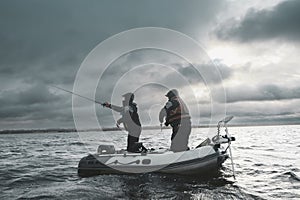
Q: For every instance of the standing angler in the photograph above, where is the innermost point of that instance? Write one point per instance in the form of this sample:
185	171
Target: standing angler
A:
130	120
177	115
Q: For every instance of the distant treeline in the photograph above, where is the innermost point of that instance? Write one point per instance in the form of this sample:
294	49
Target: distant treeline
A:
68	130
19	131
53	130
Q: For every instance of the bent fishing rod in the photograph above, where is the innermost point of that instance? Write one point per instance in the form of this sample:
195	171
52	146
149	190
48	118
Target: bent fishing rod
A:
98	102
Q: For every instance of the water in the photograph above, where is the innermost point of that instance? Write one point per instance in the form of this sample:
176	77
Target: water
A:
44	166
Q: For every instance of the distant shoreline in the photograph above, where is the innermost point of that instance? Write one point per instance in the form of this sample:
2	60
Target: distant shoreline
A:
68	130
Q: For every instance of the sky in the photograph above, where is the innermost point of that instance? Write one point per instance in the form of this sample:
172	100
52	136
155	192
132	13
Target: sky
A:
249	66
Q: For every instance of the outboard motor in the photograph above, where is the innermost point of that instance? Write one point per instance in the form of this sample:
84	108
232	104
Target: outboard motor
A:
218	139
106	149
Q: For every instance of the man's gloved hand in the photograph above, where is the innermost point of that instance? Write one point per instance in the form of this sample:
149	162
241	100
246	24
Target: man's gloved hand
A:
106	104
166	124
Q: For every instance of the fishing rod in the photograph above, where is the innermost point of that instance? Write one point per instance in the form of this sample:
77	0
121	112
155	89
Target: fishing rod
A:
98	102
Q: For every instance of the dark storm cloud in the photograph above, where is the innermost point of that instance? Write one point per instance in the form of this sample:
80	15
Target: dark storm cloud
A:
281	21
44	42
262	112
259	93
35	94
158	67
208	73
197	73
34	106
66	30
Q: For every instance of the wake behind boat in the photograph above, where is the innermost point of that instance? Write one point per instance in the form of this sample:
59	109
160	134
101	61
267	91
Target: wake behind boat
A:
207	157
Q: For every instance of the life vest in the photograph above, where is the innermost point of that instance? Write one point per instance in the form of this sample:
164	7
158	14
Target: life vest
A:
180	112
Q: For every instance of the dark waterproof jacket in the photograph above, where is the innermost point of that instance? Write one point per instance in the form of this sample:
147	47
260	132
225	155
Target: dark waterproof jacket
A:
130	118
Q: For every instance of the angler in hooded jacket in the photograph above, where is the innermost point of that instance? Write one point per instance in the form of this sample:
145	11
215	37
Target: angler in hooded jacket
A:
177	115
130	120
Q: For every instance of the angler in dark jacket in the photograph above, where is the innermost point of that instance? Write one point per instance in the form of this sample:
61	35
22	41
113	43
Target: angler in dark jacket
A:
130	120
177	115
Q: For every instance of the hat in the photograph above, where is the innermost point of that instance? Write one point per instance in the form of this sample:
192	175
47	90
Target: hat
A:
172	93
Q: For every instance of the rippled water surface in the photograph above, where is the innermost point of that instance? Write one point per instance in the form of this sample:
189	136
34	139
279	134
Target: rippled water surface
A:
44	166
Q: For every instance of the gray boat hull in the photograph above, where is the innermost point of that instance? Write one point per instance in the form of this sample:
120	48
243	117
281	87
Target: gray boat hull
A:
193	162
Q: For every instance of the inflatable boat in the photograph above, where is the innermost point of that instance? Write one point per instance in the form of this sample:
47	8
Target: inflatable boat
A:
207	157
